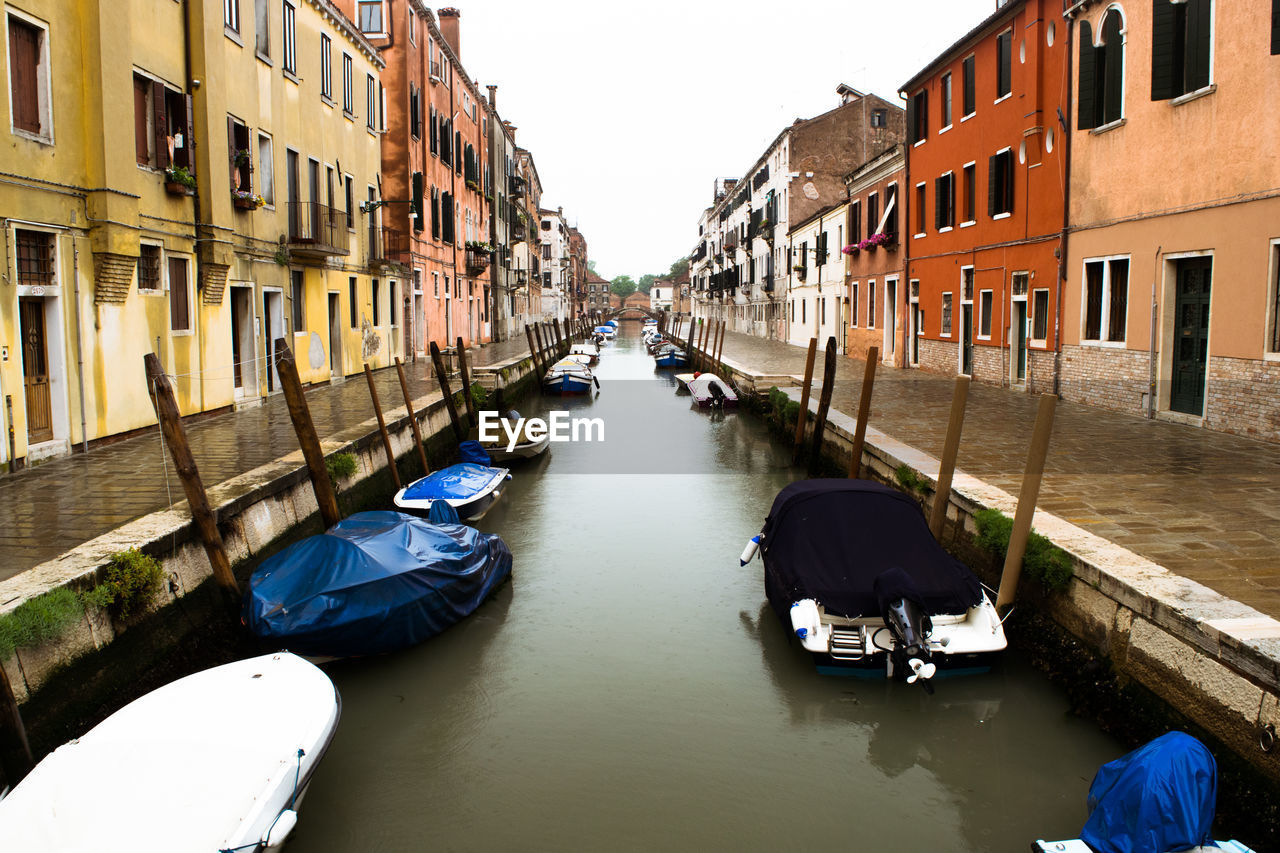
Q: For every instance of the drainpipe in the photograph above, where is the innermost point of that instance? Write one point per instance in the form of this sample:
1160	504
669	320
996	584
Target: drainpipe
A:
1152	353
195	193
1066	210
75	277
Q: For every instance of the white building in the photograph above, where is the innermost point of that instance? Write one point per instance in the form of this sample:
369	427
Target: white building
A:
661	295
553	239
816	293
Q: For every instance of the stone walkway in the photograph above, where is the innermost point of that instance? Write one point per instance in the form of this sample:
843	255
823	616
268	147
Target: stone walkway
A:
1203	504
59	504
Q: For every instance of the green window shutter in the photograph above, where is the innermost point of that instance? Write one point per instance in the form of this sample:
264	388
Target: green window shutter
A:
1085	112
1275	27
417	201
1112	88
911	121
938	192
1163	27
970	98
1199	31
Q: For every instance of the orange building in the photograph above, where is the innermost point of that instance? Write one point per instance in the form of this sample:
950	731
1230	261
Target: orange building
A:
875	266
986	171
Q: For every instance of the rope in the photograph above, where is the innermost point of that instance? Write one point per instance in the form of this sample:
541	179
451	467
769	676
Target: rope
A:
219	369
293	800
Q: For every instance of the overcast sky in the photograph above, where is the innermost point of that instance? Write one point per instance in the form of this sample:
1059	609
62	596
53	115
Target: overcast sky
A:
632	110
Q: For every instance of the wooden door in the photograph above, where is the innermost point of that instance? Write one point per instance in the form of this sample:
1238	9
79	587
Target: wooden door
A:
966	339
1191	335
35	370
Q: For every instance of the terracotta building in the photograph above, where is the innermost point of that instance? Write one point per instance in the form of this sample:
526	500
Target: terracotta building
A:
875	264
1175	214
985	174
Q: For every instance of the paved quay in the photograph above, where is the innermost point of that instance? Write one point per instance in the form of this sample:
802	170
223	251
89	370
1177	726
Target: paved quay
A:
1202	504
59	504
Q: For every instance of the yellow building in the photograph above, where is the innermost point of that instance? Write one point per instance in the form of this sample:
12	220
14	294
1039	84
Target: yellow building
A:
271	113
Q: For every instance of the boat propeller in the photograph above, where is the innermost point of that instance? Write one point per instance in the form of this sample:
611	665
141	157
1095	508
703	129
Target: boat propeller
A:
920	669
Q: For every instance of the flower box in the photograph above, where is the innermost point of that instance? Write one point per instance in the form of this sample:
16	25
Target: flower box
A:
176	188
245	203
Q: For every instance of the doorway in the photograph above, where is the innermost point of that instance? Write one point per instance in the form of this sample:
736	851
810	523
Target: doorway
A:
890	321
1018	342
335	336
273	311
243	342
35	370
419	324
966	338
1191	335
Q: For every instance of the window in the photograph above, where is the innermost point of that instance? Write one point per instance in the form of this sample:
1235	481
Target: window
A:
377	292
920	202
890	225
149	268
1040	315
391	303
546	251
873	213
946	315
369	16
820	250
35	258
351	201
1106	296
370	104
179	296
855	222
1180	47
970	182
290	40
415	112
918	117
970	98
326	67
29	79
231	15
446	217
435	284
946	100
415	201
161	125
879	117
413	28
348	91
1000	183
853	304
1273	312
871	304
262	28
241	156
1101	74
297	301
1275	27
433	131
435	214
353	302
266	170
1004	64
944	201
984	314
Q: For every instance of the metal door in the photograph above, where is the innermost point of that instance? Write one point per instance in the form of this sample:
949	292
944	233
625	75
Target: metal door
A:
1191	335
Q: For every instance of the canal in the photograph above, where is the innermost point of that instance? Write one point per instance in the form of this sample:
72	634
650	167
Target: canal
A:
631	690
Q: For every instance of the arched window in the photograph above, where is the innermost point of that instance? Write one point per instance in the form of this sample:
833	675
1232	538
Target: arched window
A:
1101	72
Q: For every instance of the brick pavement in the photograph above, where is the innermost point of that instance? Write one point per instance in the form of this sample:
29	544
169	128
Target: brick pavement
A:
54	506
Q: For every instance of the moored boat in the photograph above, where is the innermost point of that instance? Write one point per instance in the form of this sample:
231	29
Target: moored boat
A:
590	350
711	392
218	760
373	583
852	570
568	377
470	488
669	356
525	447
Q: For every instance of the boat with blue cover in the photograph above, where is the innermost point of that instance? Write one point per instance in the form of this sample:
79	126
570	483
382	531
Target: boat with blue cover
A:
669	356
373	583
606	331
1157	799
469	487
569	377
853	572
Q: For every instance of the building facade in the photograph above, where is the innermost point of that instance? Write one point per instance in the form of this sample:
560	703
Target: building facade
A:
880	312
816	284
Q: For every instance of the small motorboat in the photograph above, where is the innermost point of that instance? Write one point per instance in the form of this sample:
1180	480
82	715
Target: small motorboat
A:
218	760
526	447
669	356
590	350
470	488
711	392
1159	798
569	377
852	570
373	583
606	332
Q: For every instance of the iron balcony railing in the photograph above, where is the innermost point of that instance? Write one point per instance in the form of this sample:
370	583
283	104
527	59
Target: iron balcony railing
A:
317	229
388	245
477	261
516	186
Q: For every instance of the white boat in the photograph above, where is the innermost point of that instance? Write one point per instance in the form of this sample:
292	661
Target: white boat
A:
469	488
215	761
711	392
589	350
569	376
525	447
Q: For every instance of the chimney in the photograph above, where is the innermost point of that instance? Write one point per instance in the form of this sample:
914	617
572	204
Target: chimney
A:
493	97
449	29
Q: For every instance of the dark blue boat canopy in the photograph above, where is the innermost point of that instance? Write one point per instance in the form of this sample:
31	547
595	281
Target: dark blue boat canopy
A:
830	539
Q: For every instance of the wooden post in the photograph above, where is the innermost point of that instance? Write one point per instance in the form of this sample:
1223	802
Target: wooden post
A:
413	418
287	370
443	379
1027	498
16	759
568	334
555	327
537	334
804	399
950	448
533	350
175	436
719	359
824	403
864	409
467	400
382	428
697	360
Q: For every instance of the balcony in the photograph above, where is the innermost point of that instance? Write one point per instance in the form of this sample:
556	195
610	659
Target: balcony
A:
388	245
516	186
477	261
519	233
317	230
520	277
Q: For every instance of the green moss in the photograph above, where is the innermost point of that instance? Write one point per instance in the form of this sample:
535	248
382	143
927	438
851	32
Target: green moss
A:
909	479
479	396
340	466
1045	562
39	620
133	579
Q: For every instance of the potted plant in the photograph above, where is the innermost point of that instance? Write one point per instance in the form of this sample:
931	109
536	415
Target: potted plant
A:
246	200
479	246
473	185
178	180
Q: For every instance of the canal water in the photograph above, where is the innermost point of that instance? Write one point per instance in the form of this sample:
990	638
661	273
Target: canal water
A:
630	689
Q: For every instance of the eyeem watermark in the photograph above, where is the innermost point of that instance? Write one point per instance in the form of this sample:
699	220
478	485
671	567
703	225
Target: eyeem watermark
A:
561	428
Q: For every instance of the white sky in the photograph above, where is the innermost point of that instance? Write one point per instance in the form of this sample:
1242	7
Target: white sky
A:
632	110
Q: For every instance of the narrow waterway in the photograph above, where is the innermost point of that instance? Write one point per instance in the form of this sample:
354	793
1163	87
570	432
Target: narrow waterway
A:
630	689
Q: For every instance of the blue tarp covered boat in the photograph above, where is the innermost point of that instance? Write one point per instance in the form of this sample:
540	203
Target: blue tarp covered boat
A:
373	583
469	488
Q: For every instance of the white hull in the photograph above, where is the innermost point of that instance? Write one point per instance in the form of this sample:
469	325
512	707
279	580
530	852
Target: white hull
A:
471	508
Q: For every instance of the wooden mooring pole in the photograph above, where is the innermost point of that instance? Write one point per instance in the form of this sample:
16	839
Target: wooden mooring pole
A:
533	350
175	436
824	403
442	377
720	349
804	399
413	418
16	759
947	465
1027	498
287	370
467	400
382	428
864	410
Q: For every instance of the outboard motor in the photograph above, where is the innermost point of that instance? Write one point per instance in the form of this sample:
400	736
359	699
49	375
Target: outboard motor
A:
909	624
717	395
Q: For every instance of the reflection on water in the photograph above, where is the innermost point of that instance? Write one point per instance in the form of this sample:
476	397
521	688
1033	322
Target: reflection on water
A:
630	689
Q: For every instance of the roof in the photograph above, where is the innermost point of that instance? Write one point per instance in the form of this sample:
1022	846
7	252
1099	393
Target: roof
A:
595	278
1008	9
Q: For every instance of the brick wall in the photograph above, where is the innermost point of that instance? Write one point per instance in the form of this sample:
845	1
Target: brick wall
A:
1108	378
1244	397
1040	367
938	356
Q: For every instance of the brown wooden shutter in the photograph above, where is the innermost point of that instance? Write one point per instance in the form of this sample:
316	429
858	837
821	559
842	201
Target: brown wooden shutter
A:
140	135
231	149
159	124
911	121
1085	115
1163	27
24	62
993	167
923	113
970	96
938	192
1199	32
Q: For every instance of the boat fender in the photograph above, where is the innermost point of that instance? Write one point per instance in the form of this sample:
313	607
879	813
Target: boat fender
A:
750	551
284	824
805	620
596	379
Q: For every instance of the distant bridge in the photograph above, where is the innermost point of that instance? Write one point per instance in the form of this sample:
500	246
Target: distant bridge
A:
631	312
